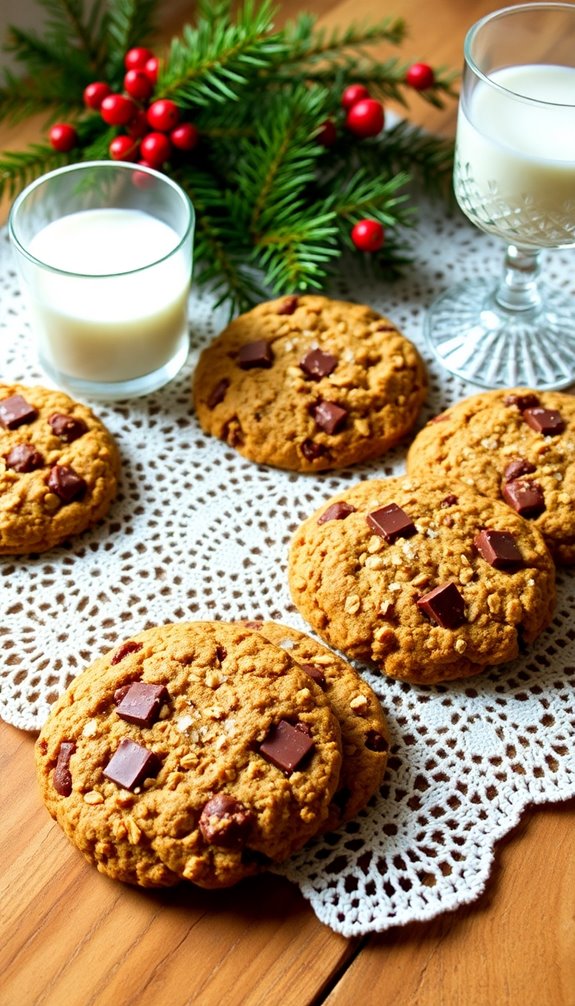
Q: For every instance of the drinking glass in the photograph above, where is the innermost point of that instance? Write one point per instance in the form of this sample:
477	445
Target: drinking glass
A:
105	252
514	177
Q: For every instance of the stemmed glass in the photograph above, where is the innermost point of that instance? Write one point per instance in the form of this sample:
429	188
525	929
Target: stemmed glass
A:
515	177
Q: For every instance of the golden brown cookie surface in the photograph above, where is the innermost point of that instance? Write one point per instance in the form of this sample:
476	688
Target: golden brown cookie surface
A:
515	445
195	751
428	581
364	734
307	383
59	468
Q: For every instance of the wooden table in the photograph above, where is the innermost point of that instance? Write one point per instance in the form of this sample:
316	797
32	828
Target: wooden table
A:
70	937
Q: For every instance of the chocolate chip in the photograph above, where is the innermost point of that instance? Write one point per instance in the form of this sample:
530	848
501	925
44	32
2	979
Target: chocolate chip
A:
337	511
67	428
24	458
444	604
221	653
391	522
120	693
450	500
526	498
549	422
312	451
255	354
317	364
130	764
14	411
329	416
130	646
286	746
315	674
499	549
375	741
516	468
225	821
218	393
62	777
142	703
288	305
527	401
66	483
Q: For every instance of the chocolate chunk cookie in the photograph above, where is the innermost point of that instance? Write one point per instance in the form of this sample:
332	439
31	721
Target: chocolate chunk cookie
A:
307	383
515	445
428	581
195	751
364	736
59	468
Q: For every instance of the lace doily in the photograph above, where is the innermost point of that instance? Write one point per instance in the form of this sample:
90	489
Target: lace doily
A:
199	532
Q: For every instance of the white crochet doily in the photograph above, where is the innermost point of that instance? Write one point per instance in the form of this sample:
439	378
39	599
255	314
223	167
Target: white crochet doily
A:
198	532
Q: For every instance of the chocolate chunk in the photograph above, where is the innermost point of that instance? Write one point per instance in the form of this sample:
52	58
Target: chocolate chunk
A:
120	693
527	401
525	497
255	354
67	428
142	703
450	500
318	364
130	646
499	549
375	741
329	416
516	468
62	778
337	511
444	604
66	483
15	411
312	451
130	764
391	522
288	306
286	746
225	821
549	422
24	458
315	674
218	393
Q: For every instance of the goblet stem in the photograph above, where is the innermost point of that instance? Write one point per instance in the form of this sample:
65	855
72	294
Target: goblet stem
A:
520	290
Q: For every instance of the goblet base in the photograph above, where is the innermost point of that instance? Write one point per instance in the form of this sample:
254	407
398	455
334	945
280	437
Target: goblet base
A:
477	339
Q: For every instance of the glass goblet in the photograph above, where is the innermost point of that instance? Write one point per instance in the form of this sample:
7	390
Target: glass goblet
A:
514	177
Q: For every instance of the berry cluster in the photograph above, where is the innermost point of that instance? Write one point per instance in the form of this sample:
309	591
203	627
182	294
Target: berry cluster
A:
151	131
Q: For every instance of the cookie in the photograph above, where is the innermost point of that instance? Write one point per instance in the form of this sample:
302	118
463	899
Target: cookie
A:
194	751
428	581
307	383
515	445
364	735
59	468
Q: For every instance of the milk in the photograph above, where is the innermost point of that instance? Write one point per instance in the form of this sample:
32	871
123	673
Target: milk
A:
515	159
108	315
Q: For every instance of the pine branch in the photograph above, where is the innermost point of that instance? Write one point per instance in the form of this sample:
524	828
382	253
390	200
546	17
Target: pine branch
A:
19	168
128	23
47	55
20	99
307	44
295	256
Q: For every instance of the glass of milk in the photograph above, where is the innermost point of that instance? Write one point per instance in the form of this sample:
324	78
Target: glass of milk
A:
104	249
515	178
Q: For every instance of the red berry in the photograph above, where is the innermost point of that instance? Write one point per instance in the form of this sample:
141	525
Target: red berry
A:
136	58
151	68
155	148
123	148
366	118
368	235
138	85
95	93
420	76
138	126
352	94
117	110
63	137
327	134
185	136
163	115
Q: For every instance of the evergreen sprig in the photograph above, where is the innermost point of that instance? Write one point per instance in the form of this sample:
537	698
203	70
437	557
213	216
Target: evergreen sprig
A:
274	205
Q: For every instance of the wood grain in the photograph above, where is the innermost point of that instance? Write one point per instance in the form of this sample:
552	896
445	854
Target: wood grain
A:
70	937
